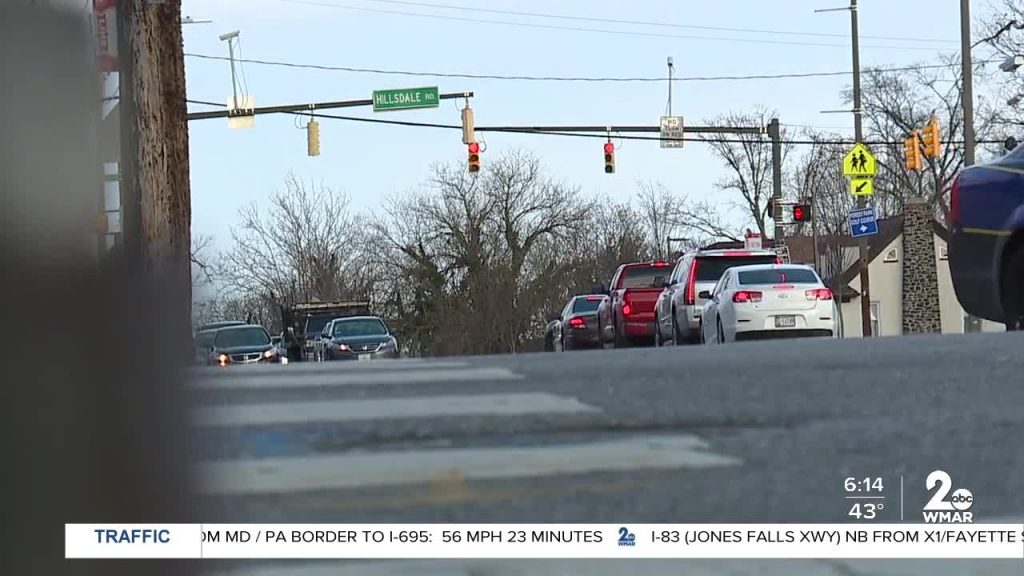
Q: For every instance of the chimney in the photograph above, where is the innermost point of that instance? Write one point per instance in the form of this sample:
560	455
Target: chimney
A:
920	281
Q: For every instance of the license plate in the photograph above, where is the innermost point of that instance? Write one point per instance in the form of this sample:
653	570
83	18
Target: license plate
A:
785	321
364	357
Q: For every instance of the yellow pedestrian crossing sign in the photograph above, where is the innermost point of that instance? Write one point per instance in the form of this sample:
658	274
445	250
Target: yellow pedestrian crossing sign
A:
862	186
859	162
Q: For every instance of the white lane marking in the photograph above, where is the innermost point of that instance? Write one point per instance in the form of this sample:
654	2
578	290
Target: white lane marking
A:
424	375
387	408
395	468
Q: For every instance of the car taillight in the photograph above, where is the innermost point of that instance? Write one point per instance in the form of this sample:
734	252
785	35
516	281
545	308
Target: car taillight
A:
746	296
691	286
627	309
661	264
954	202
577	322
595	298
819	294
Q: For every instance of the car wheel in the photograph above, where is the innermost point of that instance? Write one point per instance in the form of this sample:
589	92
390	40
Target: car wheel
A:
677	335
658	341
700	332
721	333
564	347
619	339
1012	291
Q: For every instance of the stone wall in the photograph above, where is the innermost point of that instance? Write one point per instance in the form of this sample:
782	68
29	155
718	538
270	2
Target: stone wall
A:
920	281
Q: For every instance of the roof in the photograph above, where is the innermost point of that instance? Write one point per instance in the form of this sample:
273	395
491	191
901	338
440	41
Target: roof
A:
347	318
747	267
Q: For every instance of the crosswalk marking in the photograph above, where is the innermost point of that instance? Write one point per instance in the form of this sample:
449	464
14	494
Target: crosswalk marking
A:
524	403
309	379
395	468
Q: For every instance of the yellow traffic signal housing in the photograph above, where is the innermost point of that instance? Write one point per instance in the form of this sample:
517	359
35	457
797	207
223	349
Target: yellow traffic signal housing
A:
313	138
932	139
474	157
609	158
912	152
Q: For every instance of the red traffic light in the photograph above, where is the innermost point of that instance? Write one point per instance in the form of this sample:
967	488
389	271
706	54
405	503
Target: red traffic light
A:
474	148
609	148
801	213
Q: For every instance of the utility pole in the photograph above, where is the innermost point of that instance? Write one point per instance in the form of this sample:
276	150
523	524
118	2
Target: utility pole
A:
775	133
155	195
968	81
858	130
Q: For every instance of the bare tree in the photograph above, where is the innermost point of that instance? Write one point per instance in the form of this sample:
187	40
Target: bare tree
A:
306	246
472	246
749	160
897	103
666	214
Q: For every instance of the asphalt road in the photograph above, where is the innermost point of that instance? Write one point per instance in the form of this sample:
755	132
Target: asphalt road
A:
750	432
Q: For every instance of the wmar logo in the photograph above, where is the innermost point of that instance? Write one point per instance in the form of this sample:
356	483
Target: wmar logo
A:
953	510
626	538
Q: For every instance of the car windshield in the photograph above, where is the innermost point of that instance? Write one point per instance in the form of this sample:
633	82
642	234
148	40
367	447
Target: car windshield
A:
711	268
643	276
360	327
778	276
586	304
247	336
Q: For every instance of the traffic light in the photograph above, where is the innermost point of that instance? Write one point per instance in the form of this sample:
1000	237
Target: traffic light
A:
313	138
609	158
912	152
801	212
932	139
474	157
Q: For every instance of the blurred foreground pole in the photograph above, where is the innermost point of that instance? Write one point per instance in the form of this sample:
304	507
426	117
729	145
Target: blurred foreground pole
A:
154	153
93	429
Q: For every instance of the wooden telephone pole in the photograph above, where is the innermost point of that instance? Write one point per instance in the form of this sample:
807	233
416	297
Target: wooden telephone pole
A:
155	195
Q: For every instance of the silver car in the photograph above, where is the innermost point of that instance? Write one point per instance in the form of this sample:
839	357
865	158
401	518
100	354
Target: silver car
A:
678	309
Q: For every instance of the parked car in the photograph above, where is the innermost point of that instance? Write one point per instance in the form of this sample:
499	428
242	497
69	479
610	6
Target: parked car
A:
986	243
576	325
679	304
242	344
358	338
627	315
768	301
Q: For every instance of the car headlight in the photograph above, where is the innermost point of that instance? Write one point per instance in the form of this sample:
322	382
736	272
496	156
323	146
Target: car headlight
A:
270	353
387	344
343	347
223	359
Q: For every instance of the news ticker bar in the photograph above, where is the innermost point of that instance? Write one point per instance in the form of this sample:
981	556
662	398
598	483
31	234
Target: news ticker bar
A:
542	541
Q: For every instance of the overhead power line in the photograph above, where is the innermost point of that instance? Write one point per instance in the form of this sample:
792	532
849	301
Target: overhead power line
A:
542	131
633	22
526	78
597	30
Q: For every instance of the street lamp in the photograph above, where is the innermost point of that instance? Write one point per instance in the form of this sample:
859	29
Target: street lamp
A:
1012	63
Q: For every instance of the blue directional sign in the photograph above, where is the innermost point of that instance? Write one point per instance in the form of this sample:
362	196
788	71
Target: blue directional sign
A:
863	222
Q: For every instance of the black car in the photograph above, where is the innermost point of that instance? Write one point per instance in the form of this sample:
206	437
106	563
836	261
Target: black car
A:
242	344
358	338
576	325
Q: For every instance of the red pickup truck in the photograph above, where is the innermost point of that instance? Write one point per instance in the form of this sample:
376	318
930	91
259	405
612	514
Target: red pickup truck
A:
628	314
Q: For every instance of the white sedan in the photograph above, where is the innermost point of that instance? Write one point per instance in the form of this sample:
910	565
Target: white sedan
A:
768	301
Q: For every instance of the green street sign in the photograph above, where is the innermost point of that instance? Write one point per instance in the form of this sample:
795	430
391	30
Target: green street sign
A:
405	98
